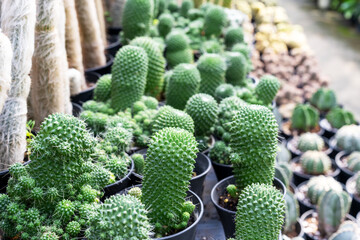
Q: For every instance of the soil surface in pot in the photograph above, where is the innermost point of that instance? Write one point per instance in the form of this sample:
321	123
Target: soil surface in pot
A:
296	167
293	233
311	228
286	128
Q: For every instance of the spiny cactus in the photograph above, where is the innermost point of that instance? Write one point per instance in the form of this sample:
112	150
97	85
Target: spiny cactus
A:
254	133
260	213
118	137
185	7
203	109
236	69
5	78
183	83
137	18
233	36
170	117
283	173
166	23
170	147
96	121
139	162
315	162
324	99
333	207
224	91
291	211
304	117
348	138
339	117
212	68
120	217
100	107
347	230
128	76
220	153
102	91
178	49
215	21
319	185
353	162
267	89
310	141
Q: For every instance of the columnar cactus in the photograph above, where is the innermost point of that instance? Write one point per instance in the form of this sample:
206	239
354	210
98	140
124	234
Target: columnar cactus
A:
170	117
236	69
102	91
291	211
260	213
212	68
171	156
185	7
310	141
315	162
353	162
233	36
319	185
324	99
267	89
304	117
156	65
136	19
215	21
224	91
5	64
178	49
183	83
128	77
254	133
18	24
339	117
166	23
348	138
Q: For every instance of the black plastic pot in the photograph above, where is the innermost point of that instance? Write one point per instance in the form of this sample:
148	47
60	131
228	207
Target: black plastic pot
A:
222	170
345	173
114	31
287	135
114	45
329	131
299	178
76	109
227	217
355	204
4	179
202	168
291	145
92	77
83	96
102	70
211	145
299	229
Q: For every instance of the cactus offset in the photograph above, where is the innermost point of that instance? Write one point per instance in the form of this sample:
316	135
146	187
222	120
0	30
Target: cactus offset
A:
170	117
310	141
166	23
319	185
324	99
178	49
224	91
339	117
102	91
304	117
348	138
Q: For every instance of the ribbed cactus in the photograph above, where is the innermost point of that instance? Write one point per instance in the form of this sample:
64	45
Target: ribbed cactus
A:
315	162
291	211
178	49
186	5
348	138
102	91
212	68
310	141
183	83
136	19
267	89
339	117
283	173
348	230
5	72
324	99
236	69
170	156
260	213
353	162
120	217
215	21
224	91
156	65
166	23
171	117
304	117
128	77
319	185
254	133
333	207
233	36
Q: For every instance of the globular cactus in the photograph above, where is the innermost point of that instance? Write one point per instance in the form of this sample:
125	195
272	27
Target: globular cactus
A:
332	208
203	109
291	211
212	68
128	77
243	49
220	153
139	162
315	162
224	91
120	217
348	138
178	49
260	213
236	69
310	141
101	107
254	133
211	46
118	137
5	77
170	117
156	65
304	117
267	89
183	83
324	99
233	36
96	121
136	19
319	185
102	91
186	5
166	23
215	21
353	162
348	230
170	147
283	173
339	117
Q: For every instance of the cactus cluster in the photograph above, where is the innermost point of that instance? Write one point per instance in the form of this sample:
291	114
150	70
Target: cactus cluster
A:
348	138
324	99
304	117
170	117
315	162
310	141
319	185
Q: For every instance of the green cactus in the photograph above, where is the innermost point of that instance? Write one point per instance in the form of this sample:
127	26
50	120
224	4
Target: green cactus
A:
120	217
95	121
49	236
254	133
304	117
291	211
353	162
137	18
171	117
260	213
195	14
166	23
315	162
236	69
172	6
348	138
211	46
233	36
220	153
185	7
283	173
224	91
135	192
267	89
310	141
102	91
118	137
156	65
339	117
319	185
139	162
212	68
215	21
324	99
170	147
348	230
178	49
184	82
333	207
100	107
243	49
128	77
203	109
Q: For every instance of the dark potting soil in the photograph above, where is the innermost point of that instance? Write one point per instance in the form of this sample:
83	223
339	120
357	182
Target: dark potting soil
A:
227	202
293	233
296	167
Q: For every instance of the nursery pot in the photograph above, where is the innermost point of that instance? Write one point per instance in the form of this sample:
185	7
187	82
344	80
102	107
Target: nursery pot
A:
87	94
286	132
295	152
202	168
102	70
114	45
227	217
4	178
345	173
329	131
355	204
114	31
211	145
222	170
92	77
76	109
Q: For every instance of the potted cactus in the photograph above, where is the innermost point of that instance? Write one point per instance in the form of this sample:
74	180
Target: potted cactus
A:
324	99
349	164
335	119
292	227
219	155
353	187
347	139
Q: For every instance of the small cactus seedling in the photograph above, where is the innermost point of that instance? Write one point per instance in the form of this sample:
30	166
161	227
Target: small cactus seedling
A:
353	162
319	185
315	162
224	91
220	153
310	141
348	138
339	117
304	117
324	99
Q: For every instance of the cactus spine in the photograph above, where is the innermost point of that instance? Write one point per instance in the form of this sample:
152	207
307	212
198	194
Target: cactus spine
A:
5	64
